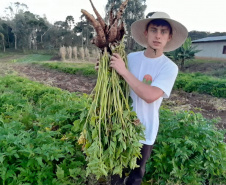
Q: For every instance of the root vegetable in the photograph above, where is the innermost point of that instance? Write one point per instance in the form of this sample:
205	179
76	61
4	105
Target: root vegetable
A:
111	130
107	34
99	18
100	39
121	9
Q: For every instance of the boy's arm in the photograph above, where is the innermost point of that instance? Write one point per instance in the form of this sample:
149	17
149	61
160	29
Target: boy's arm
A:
146	92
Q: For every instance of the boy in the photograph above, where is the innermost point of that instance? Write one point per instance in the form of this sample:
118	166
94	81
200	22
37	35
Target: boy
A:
157	34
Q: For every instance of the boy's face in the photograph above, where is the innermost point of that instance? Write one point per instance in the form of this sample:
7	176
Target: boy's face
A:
157	36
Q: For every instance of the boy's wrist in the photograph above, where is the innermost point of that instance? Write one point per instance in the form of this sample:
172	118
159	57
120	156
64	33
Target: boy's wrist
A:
125	73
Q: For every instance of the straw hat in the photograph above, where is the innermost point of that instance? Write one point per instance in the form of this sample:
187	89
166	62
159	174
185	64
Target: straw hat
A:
179	31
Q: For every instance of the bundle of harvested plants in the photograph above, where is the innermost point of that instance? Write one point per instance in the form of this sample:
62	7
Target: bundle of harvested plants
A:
111	130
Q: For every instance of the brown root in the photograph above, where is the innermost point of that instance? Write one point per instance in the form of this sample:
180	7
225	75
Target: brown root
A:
121	9
112	34
100	39
120	31
99	18
111	15
107	34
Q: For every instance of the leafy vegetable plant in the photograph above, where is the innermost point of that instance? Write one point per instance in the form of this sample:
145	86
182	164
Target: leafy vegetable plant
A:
189	150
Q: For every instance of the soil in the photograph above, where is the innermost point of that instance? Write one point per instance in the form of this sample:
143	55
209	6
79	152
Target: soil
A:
69	82
208	106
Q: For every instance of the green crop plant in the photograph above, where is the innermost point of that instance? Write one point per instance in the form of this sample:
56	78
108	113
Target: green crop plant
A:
197	82
111	130
37	145
189	150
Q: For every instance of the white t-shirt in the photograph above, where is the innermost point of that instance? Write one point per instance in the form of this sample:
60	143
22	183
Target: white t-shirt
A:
164	73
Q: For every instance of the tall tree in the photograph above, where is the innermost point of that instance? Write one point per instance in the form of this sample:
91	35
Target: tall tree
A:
85	31
3	41
11	11
194	35
44	27
6	30
69	22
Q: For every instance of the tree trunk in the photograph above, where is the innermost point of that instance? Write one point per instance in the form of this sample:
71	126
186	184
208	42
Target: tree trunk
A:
82	38
3	42
15	37
29	41
8	36
87	38
182	65
34	40
42	37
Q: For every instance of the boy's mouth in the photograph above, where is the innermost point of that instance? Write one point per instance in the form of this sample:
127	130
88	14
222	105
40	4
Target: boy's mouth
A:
156	43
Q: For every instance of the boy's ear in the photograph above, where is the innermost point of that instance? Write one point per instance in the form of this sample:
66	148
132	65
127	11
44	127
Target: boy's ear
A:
170	37
145	33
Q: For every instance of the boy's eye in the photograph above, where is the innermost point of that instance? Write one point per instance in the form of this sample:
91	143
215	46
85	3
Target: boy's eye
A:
164	31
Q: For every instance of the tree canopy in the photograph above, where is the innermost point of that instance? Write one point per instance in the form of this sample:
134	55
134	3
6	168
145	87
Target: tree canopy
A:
22	29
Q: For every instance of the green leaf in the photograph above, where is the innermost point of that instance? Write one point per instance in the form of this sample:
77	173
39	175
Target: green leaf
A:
123	145
117	170
60	173
125	114
94	133
1	157
75	172
39	159
76	126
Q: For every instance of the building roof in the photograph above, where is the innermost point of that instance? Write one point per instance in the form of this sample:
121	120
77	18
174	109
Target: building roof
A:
210	39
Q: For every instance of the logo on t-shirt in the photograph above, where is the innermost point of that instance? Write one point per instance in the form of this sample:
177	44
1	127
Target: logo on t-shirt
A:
147	79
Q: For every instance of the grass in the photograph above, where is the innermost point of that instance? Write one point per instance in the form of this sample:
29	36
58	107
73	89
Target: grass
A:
215	68
9	54
34	58
86	69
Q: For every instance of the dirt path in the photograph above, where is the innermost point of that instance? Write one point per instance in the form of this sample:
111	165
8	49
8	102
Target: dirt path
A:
208	106
72	83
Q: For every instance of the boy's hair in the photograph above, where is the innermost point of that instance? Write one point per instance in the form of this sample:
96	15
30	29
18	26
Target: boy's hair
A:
160	22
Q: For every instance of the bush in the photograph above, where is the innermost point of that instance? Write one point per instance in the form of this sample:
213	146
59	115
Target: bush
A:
37	145
34	58
196	82
188	150
78	68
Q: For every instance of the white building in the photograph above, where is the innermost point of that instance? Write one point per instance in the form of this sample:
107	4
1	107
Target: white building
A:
211	47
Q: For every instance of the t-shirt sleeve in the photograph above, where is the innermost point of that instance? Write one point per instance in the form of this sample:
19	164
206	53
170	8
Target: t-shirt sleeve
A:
165	79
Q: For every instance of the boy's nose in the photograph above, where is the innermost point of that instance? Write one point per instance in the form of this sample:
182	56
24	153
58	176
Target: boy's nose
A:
158	34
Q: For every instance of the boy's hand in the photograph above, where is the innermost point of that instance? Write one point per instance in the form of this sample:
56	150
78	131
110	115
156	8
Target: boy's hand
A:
118	64
97	65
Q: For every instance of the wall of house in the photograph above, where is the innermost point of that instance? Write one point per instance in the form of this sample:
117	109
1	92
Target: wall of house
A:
211	50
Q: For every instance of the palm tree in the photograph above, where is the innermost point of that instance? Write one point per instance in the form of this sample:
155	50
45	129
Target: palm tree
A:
183	53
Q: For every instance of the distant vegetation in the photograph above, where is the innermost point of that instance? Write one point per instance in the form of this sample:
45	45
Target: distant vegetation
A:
23	30
202	34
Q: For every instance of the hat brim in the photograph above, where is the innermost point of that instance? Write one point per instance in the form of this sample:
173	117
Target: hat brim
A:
179	33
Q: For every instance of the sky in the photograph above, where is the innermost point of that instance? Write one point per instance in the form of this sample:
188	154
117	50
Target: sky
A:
199	15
